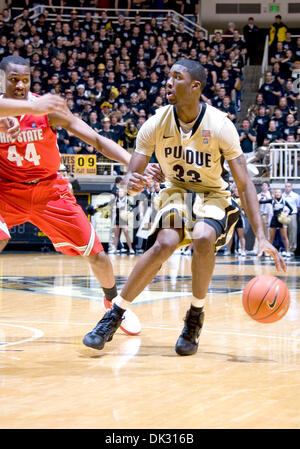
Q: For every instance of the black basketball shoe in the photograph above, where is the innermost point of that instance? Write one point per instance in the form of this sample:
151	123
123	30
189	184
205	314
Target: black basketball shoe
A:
105	329
187	343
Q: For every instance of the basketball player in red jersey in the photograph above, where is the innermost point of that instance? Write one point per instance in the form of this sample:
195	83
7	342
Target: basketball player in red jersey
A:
31	189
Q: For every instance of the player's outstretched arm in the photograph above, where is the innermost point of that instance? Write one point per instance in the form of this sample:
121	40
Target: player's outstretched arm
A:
42	105
250	204
83	131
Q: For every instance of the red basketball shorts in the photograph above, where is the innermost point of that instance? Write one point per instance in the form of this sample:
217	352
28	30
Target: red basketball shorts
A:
51	207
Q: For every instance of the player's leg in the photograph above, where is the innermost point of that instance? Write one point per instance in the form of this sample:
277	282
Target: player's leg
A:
229	246
102	268
13	209
143	273
128	240
241	236
116	237
203	263
209	235
292	232
3	244
284	235
71	233
272	232
4	234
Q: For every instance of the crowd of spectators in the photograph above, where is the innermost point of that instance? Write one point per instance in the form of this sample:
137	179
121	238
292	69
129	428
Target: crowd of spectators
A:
273	116
113	72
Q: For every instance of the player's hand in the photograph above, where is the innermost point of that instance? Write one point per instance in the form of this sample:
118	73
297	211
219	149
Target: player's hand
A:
155	172
264	246
49	103
134	183
11	126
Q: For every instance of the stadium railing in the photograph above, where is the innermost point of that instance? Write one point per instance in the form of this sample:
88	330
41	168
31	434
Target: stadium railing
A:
285	161
146	15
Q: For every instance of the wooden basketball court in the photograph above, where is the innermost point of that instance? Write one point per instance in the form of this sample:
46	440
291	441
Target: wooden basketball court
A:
245	374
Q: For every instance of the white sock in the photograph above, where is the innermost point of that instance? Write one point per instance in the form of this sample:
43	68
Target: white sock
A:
199	303
121	302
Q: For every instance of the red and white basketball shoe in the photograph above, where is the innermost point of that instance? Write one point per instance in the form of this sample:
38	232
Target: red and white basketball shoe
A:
131	324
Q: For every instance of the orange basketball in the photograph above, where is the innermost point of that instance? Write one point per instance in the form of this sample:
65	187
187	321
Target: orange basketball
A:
266	299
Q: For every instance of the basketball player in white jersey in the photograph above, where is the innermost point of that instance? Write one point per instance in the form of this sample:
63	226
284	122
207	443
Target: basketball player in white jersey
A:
191	141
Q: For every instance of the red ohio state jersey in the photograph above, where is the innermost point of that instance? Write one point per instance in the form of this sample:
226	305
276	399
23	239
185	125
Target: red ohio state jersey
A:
34	154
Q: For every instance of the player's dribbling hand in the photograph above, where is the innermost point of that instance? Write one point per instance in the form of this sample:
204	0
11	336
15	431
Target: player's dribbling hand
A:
49	103
11	126
155	172
264	246
134	183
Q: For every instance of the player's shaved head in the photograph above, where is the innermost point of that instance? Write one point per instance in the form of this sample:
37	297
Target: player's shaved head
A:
17	60
195	69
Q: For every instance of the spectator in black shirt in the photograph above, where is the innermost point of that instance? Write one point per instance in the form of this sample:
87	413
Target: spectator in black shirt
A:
93	121
247	138
228	84
25	23
229	108
87	22
63	141
222	56
290	94
271	90
106	130
154	86
79	96
288	63
288	43
166	31
251	36
3	46
131	81
123	97
35	61
291	127
126	32
4	27
217	100
272	134
109	83
279	54
135	38
199	36
279	119
260	124
41	25
277	74
57	69
296	49
144	103
216	41
115	126
284	107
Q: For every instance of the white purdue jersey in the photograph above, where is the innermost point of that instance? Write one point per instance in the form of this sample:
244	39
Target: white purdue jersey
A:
193	161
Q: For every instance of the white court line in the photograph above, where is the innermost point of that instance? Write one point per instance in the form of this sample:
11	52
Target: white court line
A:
211	330
37	333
